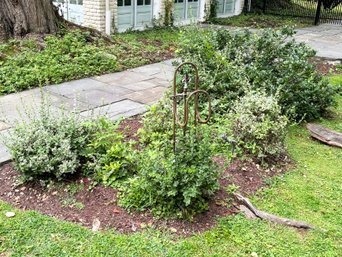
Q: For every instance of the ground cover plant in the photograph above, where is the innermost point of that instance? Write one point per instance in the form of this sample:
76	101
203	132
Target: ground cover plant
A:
76	54
262	21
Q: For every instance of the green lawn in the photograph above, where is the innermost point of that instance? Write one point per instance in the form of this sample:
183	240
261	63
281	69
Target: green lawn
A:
263	21
310	192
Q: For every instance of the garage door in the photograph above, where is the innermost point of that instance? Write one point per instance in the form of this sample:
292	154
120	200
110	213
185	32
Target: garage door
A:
186	10
225	7
134	14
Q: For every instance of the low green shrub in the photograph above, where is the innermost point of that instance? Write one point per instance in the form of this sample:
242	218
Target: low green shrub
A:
233	62
258	126
49	145
174	185
108	155
157	122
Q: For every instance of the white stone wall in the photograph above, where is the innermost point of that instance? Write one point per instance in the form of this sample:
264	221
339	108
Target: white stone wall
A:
94	15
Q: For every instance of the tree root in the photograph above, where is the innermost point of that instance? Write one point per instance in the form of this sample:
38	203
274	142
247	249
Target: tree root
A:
93	32
252	212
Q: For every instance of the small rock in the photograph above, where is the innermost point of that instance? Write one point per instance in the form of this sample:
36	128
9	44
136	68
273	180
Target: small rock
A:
10	214
23	189
134	228
17	190
54	193
116	210
173	230
96	225
254	254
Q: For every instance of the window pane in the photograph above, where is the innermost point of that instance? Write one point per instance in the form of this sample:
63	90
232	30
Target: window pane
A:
140	2
147	2
72	1
120	2
127	2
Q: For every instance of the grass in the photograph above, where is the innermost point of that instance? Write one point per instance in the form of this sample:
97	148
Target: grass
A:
311	192
73	55
263	21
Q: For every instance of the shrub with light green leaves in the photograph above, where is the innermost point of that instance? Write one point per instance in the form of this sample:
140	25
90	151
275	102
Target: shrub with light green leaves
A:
50	145
258	126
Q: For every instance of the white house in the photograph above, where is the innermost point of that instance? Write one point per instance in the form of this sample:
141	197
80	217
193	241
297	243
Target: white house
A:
120	15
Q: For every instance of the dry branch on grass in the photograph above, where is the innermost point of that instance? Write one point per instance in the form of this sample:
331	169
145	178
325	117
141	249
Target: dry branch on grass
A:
252	212
325	135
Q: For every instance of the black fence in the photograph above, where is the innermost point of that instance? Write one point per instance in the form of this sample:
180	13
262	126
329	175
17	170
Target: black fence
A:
320	11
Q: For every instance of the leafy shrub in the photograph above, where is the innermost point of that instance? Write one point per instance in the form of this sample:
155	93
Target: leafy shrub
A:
233	62
63	58
107	154
50	145
258	125
157	122
174	185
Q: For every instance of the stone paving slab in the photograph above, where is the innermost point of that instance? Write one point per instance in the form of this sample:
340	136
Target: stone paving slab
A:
138	86
121	78
115	110
148	96
75	86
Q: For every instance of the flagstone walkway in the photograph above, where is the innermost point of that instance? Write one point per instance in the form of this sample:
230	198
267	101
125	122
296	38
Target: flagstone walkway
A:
121	94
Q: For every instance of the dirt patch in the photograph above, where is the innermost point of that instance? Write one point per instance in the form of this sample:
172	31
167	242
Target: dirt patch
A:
80	202
326	67
129	127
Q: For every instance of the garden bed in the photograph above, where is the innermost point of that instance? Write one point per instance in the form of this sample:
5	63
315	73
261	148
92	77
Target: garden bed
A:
81	201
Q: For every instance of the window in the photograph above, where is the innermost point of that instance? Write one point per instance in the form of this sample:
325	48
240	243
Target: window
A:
140	2
147	2
127	2
120	2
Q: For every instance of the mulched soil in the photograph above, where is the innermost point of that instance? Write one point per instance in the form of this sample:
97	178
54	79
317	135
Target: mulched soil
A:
326	67
88	203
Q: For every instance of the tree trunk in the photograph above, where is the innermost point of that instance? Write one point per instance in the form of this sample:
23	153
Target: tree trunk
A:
21	17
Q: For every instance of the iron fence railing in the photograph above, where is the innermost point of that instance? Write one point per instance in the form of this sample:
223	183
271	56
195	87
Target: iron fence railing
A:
324	11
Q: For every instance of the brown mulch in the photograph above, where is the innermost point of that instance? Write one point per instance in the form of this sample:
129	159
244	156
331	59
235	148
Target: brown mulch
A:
326	67
99	202
89	202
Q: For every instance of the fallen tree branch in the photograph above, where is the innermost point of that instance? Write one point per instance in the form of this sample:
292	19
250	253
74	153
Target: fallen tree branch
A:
270	217
325	135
